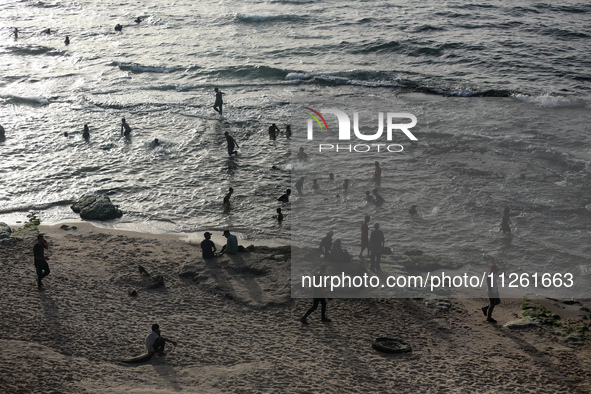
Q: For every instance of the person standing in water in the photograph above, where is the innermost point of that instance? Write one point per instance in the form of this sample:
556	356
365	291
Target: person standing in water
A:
377	175
231	143
506	221
288	131
365	236
86	133
376	245
67	40
273	132
125	129
227	197
219	102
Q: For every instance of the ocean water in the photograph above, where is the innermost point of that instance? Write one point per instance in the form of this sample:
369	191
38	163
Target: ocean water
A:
501	93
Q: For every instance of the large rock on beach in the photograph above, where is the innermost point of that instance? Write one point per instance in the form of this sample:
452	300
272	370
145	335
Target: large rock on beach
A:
5	237
96	207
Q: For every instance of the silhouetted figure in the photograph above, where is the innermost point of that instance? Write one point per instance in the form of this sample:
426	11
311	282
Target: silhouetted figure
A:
156	142
207	247
125	129
288	131
376	245
66	134
365	236
227	196
231	143
302	156
46	31
338	254
368	197
155	342
118	27
326	244
273	132
86	133
138	20
67	40
493	293
331	178
299	186
219	102
2	133
279	215
15	33
506	221
315	185
319	298
285	197
378	199
377	175
346	184
41	266
413	210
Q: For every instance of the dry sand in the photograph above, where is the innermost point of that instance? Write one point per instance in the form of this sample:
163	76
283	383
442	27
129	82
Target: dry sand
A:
70	338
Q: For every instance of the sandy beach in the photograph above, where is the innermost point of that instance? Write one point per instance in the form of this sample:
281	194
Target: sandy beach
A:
238	330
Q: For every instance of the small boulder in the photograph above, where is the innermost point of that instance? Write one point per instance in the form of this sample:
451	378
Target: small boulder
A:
157	281
96	207
5	237
131	291
189	270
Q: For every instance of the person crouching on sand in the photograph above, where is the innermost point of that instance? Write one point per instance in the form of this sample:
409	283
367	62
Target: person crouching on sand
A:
155	343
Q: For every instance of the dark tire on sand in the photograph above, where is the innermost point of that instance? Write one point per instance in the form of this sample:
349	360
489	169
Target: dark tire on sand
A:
390	345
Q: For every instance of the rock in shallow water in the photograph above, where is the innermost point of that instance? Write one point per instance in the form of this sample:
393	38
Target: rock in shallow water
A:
96	207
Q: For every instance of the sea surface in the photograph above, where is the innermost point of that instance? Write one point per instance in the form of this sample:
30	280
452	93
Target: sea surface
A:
501	92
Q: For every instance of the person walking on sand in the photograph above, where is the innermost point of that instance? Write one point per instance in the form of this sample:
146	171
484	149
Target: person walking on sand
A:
492	281
231	143
376	245
208	247
506	221
41	265
365	236
377	175
155	342
219	102
125	129
319	298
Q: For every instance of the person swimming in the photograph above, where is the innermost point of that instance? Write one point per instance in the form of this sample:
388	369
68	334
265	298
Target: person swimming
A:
118	27
67	40
378	199
138	20
302	156
156	142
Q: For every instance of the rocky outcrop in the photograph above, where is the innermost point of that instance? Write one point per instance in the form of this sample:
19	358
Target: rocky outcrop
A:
5	237
96	207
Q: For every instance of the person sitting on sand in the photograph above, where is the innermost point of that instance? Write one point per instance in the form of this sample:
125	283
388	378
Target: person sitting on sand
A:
326	244
231	247
125	129
505	227
208	247
227	197
319	298
492	292
155	342
285	197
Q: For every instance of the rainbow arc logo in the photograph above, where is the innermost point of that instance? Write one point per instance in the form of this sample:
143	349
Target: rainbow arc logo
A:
317	115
